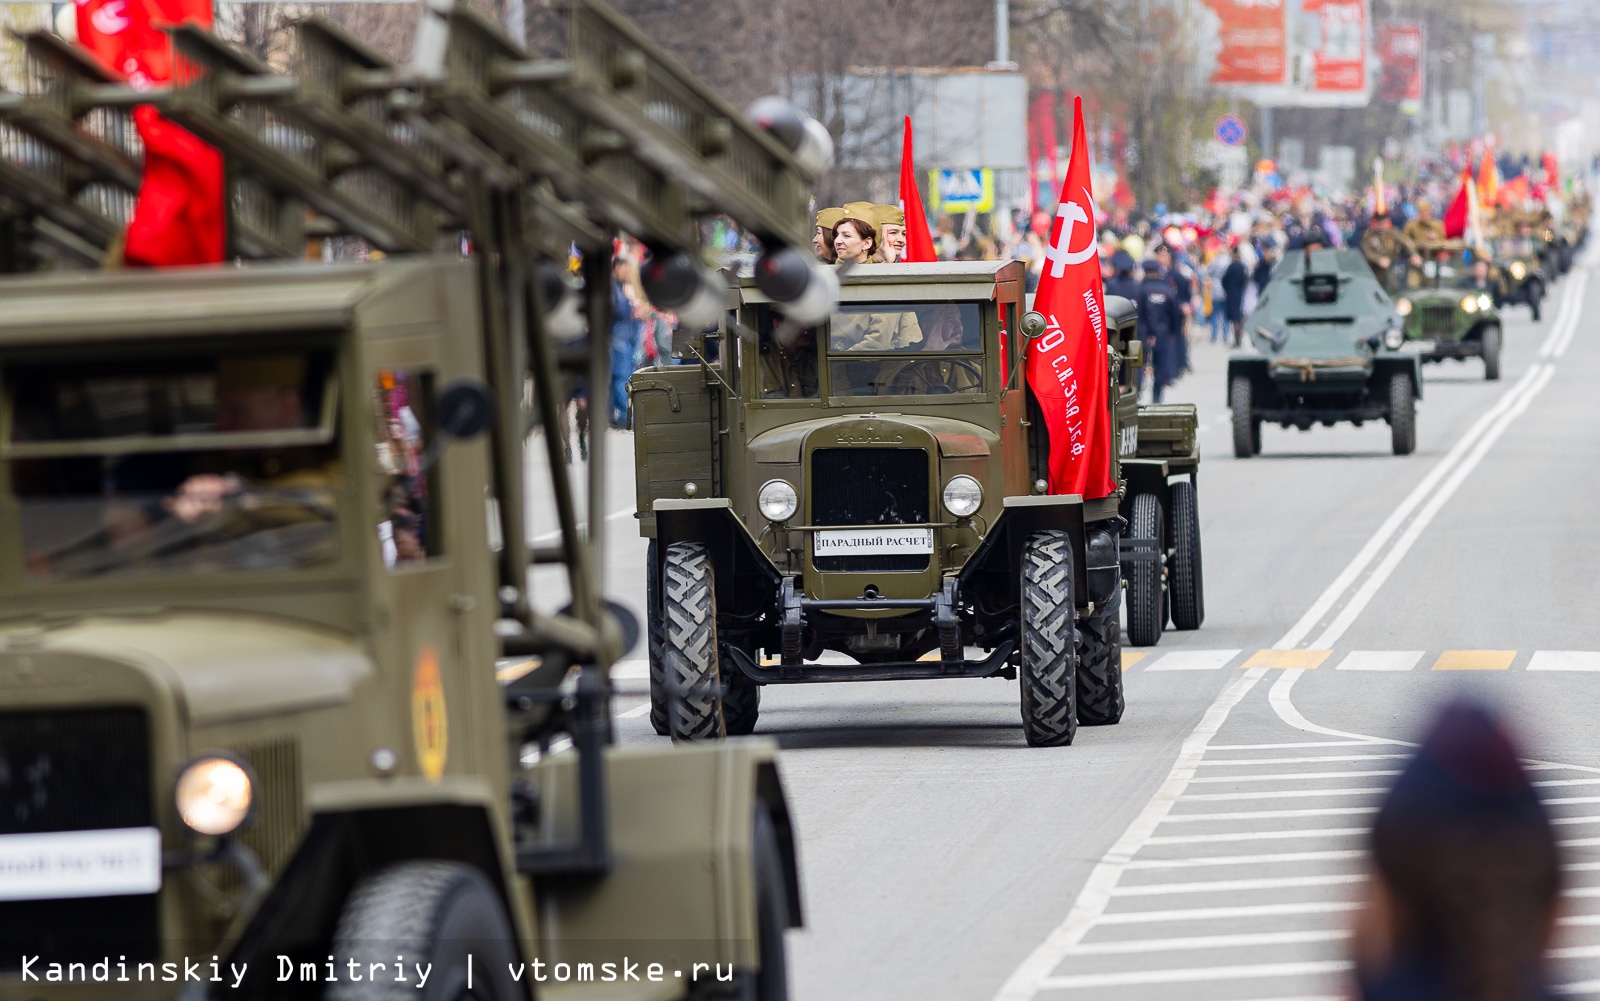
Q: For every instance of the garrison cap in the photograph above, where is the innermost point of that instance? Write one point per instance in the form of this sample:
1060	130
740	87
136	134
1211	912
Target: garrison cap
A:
827	218
889	215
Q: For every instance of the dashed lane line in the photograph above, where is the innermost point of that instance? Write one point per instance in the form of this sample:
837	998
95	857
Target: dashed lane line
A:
1196	975
1238	836
1296	776
1328	811
1308	759
1217	797
1231	885
1236	911
1212	861
1240	941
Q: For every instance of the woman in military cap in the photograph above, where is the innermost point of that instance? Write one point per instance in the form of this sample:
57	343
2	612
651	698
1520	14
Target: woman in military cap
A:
892	226
822	236
855	240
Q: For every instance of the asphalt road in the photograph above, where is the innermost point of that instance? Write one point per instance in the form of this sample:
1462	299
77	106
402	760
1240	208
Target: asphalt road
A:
1208	847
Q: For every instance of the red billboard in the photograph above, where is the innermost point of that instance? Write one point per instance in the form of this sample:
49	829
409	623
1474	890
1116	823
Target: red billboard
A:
1400	52
1340	56
1254	37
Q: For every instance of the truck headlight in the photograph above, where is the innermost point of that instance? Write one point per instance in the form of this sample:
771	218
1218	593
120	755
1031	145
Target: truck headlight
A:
963	495
1470	304
1403	307
1519	270
1393	338
1484	302
777	500
214	794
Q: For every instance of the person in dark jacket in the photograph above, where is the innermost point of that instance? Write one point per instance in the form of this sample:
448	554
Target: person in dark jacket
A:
1124	284
1160	325
1263	272
1234	280
1466	873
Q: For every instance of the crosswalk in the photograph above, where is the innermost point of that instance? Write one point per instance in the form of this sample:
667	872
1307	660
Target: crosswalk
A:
1245	887
1363	660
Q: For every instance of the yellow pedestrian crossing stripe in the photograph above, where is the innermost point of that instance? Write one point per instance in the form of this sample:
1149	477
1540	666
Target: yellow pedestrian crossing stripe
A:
1187	659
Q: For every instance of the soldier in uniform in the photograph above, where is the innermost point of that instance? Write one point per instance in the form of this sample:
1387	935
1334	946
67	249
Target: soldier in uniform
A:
872	215
822	236
789	364
1425	230
1383	248
855	239
942	330
1160	324
892	227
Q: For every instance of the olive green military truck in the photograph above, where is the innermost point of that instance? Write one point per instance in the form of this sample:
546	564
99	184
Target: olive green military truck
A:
873	486
263	539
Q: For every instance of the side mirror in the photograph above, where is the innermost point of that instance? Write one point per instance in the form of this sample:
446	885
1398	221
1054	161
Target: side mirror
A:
1033	324
465	409
1134	353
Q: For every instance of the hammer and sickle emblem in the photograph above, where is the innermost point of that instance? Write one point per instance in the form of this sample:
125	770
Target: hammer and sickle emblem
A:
1060	254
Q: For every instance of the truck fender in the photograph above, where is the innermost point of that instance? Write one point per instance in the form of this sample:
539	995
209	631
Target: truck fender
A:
677	815
997	563
1384	367
746	580
1252	366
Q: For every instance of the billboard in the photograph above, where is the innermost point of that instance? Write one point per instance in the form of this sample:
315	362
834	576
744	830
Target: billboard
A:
1293	53
1400	53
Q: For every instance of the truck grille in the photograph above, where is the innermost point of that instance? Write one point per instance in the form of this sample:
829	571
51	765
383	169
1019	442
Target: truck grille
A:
76	770
1439	322
869	486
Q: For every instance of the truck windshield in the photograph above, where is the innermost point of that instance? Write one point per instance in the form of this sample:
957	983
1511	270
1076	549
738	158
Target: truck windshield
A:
191	464
906	349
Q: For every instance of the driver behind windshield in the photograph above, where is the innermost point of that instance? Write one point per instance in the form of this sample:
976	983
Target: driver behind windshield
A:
942	331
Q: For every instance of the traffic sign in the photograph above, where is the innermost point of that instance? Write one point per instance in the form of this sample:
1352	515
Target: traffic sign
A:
962	190
1231	130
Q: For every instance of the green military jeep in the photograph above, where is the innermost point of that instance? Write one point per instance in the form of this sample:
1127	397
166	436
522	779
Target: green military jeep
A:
1520	273
1450	311
874	487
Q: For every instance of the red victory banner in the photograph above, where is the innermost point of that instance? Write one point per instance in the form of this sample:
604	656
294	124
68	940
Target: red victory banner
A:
919	242
1066	364
178	217
1459	214
1255	39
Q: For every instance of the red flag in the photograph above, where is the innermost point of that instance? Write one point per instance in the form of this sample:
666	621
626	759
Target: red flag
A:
1067	363
1488	179
1552	170
919	242
1514	192
178	217
1459	213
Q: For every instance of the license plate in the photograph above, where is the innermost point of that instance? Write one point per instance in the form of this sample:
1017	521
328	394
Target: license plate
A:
873	541
1417	347
64	864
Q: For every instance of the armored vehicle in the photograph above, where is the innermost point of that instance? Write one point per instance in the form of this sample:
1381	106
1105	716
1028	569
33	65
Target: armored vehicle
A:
1450	310
274	692
1326	347
873	486
1519	273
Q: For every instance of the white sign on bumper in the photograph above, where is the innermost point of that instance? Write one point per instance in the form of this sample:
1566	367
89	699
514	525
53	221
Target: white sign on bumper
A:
874	542
62	864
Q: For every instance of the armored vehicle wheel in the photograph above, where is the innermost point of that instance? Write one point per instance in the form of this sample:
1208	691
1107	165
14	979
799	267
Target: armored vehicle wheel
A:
1188	589
656	637
690	650
429	911
1491	350
741	705
1402	414
1147	611
1246	426
1100	700
1049	653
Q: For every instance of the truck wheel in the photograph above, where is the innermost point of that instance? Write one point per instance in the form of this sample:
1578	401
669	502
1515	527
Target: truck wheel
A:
690	649
1147	612
1049	652
1402	414
656	638
1188	587
1491	350
1246	426
429	911
1100	700
741	705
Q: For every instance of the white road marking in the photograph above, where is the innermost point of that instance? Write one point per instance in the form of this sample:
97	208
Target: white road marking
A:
1209	942
1380	660
1215	797
1210	861
1305	760
1193	660
1289	745
1552	783
1332	811
1292	777
1218	913
1218	839
1196	975
1220	885
1564	660
1576	820
1572	800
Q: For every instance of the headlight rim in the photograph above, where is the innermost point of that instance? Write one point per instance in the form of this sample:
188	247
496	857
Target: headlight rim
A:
1394	338
251	785
793	499
977	504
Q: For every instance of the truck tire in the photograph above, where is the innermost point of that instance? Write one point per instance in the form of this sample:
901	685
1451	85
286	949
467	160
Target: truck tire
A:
690	649
1100	698
429	911
741	705
1246	426
656	638
1147	612
1402	414
1491	350
1048	662
1188	585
